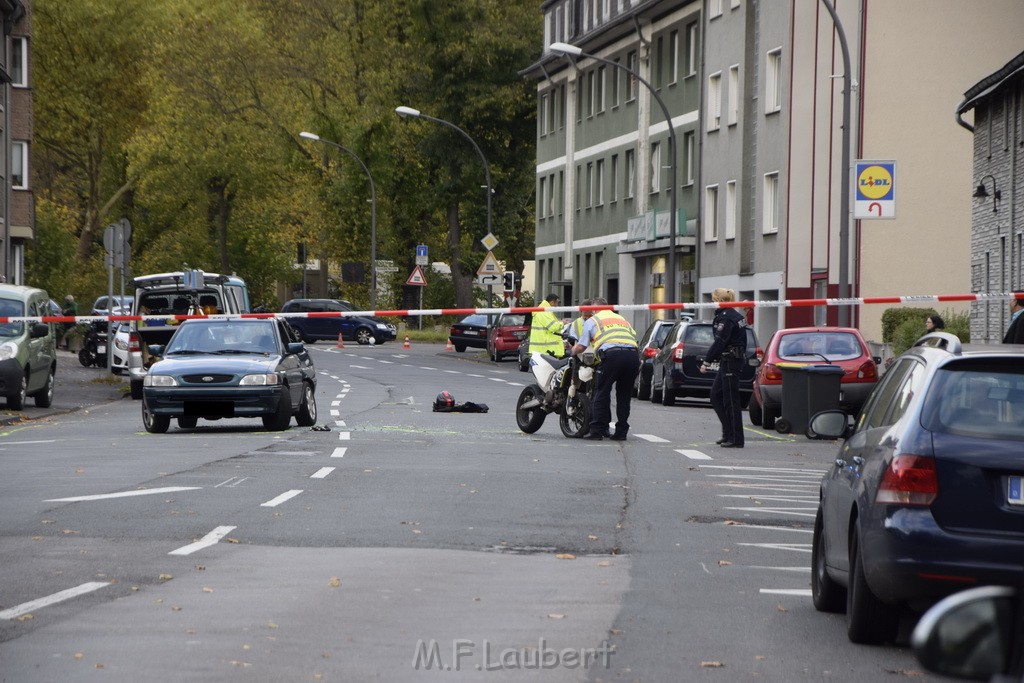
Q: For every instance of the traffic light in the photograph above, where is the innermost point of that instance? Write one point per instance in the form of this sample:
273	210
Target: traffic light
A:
509	281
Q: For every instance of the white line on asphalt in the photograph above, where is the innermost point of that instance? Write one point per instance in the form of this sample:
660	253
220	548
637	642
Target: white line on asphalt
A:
498	379
788	488
26	607
339	452
205	542
361	367
795	547
293	452
287	495
469	374
424	367
231	483
801	570
321	473
515	384
772	528
335	377
775	499
339	423
760	477
389	362
344	390
26	443
767	469
123	494
693	455
344	436
335	403
780	511
335	413
454	372
652	438
803	592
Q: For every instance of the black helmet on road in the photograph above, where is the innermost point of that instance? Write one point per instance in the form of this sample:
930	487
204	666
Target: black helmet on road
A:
444	400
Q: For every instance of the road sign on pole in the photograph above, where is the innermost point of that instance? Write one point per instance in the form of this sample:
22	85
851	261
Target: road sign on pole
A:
875	190
489	266
417	278
421	255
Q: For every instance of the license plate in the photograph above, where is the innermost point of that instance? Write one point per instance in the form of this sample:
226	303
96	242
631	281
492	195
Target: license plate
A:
471	333
1014	495
101	348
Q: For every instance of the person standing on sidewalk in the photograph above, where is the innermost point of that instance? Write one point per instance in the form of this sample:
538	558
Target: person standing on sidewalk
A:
1015	332
70	308
615	341
546	330
730	350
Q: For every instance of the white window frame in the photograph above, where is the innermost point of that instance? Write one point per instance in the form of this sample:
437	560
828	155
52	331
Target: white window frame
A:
590	184
542	197
19	155
601	80
733	113
613	188
542	117
655	187
599	182
551	195
689	156
735	4
19	74
773	82
630	173
633	84
714	8
691	49
714	113
673	55
730	210
591	78
770	208
711	213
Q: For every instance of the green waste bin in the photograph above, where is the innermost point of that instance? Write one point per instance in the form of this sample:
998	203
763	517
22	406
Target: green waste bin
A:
806	391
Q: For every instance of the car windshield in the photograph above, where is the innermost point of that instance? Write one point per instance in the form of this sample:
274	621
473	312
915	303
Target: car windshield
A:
831	346
476	319
983	399
11	308
222	337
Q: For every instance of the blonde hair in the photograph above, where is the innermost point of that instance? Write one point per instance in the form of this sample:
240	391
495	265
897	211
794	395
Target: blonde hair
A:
723	294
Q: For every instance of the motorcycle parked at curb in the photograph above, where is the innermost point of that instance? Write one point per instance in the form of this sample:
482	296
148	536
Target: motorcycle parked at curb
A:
564	386
94	345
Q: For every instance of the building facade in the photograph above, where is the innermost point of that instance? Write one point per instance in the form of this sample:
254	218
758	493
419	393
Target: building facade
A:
18	212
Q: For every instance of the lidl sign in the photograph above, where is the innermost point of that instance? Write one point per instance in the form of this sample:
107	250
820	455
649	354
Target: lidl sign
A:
874	194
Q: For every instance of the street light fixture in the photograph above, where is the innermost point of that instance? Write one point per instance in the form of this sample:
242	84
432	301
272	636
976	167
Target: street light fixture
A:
407	112
981	192
373	214
572	50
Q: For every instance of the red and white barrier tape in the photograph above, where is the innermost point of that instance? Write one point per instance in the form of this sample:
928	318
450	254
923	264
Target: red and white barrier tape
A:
685	306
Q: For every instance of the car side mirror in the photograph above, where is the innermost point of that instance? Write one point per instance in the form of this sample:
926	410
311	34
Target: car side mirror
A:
38	330
968	634
156	349
877	359
295	347
829	424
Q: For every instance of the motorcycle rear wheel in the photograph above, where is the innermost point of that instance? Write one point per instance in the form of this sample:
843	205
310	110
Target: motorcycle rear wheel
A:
86	357
530	419
574	418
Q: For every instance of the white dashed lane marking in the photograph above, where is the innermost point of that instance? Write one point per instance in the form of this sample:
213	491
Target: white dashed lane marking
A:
206	541
287	495
652	438
322	473
26	607
339	452
693	455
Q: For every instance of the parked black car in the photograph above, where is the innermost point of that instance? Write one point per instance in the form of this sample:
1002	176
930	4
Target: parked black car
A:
351	328
470	331
925	495
675	369
649	345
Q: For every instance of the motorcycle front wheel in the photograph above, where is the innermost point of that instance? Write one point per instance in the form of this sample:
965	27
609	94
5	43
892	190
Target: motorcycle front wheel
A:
530	419
86	357
575	416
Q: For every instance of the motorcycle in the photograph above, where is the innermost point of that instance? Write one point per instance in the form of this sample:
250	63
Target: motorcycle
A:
94	345
563	386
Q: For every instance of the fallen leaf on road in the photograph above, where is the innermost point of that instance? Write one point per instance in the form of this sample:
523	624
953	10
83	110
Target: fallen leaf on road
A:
565	556
712	665
780	608
207	589
231	540
98	665
615	631
271	624
37	538
604	563
200	567
335	582
730	522
556	616
166	577
79	655
71	531
591	537
79	470
724	563
25	617
175	608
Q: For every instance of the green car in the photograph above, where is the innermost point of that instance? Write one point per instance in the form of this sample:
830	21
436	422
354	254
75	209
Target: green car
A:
28	358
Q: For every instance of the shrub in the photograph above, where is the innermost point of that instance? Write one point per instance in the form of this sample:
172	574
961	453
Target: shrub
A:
894	318
911	329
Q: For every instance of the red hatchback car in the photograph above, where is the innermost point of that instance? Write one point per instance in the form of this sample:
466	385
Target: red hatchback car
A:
840	346
505	336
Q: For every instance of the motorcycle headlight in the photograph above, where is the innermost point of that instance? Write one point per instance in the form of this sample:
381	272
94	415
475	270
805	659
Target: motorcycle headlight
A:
260	380
151	380
8	350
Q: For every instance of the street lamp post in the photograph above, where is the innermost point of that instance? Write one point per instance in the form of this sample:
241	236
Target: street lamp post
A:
373	214
416	114
567	49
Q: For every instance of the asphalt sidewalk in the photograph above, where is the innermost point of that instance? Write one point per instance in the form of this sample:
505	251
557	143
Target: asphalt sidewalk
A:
76	387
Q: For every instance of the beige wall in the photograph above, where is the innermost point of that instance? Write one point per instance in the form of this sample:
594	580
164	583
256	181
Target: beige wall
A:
920	57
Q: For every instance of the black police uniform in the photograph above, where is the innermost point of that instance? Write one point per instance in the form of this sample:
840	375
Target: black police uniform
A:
730	350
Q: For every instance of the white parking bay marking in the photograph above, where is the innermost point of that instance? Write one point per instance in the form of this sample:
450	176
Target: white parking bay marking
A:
798	512
123	494
206	541
795	547
321	473
424	367
361	367
344	436
473	375
231	483
389	362
26	607
339	452
693	455
498	379
454	372
287	495
802	592
335	413
652	438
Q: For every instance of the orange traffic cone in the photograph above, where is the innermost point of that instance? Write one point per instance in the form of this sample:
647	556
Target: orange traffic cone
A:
341	342
449	346
406	345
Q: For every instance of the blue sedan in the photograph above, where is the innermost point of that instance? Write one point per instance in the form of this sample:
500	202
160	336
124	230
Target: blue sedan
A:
215	369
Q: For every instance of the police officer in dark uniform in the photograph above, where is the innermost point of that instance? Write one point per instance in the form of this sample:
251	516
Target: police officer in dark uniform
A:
730	350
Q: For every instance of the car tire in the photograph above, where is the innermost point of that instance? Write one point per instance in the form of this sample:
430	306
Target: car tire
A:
768	418
188	422
279	421
530	420
44	398
668	395
155	424
828	596
363	335
754	412
869	621
16	401
136	390
574	418
643	388
306	417
655	392
460	347
495	356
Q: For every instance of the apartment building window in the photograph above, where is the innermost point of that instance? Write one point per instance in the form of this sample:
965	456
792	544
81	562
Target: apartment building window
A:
590	184
615	84
613	189
599	91
773	82
542	198
734	95
560	201
691	49
658	74
689	156
655	167
630	173
579	100
599	183
770	218
19	165
730	210
542	118
673	57
551	195
19	62
711	213
631	64
591	78
579	187
561	107
734	4
714	101
714	8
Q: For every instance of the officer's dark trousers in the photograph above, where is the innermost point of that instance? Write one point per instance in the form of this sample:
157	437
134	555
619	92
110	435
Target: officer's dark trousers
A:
618	367
725	399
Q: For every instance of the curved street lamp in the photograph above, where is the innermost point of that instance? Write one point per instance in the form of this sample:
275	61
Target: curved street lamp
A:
572	50
405	112
373	214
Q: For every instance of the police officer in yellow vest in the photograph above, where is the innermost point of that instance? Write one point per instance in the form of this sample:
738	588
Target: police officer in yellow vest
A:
546	330
615	341
576	327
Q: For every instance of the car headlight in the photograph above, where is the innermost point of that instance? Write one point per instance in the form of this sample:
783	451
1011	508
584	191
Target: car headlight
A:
8	350
260	380
151	380
382	326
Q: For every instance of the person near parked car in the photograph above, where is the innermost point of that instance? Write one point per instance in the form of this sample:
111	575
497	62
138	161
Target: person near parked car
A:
70	308
546	330
934	323
576	327
614	339
729	350
1015	332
